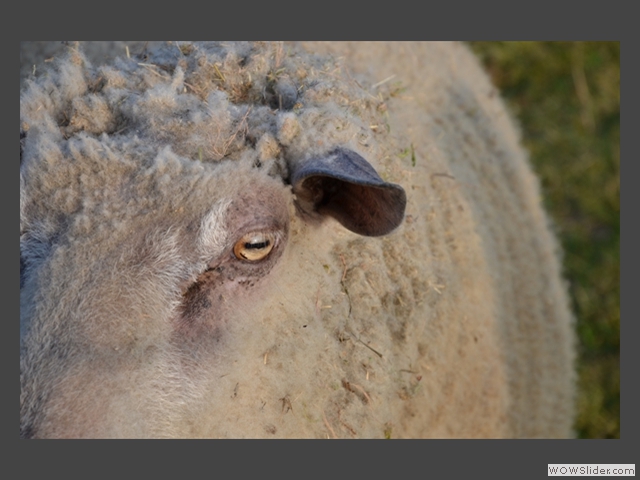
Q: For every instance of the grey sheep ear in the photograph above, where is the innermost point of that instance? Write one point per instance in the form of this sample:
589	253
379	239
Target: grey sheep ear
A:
345	186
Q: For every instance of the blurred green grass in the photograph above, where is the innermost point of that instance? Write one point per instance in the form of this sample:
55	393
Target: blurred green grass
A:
566	97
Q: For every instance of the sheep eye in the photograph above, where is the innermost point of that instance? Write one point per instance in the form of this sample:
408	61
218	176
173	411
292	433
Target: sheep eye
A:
254	246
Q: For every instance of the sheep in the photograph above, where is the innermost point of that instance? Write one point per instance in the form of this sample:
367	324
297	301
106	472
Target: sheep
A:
279	240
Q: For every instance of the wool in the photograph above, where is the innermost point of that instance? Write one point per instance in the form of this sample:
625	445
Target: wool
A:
424	302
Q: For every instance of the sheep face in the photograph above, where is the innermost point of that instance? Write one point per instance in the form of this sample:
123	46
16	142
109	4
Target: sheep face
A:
148	310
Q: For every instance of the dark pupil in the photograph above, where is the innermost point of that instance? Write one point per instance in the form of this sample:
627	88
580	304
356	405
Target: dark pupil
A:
257	246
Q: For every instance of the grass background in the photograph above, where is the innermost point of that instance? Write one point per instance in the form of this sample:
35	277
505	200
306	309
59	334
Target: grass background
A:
566	96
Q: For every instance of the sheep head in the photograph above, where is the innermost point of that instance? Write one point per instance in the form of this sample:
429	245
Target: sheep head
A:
155	212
